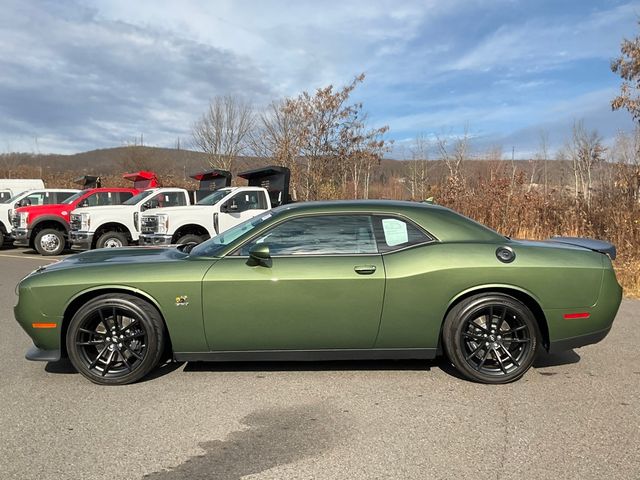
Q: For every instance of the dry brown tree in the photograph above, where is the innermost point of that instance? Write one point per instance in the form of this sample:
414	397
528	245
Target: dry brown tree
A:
627	65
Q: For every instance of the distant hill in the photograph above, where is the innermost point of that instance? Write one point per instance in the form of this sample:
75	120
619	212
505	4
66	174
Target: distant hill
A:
182	163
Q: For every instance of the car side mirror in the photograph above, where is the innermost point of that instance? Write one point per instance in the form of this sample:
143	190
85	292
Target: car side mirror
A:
83	203
259	255
25	202
145	206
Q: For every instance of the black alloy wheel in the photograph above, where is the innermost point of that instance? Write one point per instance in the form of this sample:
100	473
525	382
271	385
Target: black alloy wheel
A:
115	339
491	338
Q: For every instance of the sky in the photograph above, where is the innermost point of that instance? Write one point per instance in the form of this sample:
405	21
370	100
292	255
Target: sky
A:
80	75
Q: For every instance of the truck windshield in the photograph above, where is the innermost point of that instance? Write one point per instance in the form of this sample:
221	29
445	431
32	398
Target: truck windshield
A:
215	245
73	198
214	197
136	198
13	199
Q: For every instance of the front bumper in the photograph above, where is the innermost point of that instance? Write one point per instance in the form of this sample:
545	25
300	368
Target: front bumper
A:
155	239
80	240
36	354
21	237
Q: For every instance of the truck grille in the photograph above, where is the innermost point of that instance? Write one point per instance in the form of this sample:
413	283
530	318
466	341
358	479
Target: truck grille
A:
148	224
15	220
75	223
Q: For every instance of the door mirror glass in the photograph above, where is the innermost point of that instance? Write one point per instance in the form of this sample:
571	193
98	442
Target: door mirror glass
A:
259	255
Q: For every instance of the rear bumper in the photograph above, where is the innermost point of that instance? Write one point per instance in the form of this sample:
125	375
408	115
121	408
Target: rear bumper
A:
155	239
80	240
579	341
21	237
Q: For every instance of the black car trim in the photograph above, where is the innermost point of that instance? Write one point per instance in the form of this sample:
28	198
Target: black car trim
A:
307	355
579	341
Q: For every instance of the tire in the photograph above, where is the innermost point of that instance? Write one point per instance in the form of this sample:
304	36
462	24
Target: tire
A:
1	238
112	240
131	354
190	238
497	352
49	242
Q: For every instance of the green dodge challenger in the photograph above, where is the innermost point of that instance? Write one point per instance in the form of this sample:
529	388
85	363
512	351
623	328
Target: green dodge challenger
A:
325	281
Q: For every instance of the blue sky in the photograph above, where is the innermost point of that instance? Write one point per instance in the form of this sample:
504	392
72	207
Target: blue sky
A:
78	75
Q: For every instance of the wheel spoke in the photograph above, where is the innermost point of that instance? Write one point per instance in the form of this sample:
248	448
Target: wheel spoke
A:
125	360
519	340
132	324
92	332
97	359
502	319
506	350
132	352
517	329
115	320
90	343
490	317
108	364
475	325
484	359
474	336
495	354
468	357
104	322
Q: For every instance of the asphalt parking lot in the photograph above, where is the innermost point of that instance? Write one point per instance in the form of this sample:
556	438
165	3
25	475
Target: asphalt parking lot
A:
576	415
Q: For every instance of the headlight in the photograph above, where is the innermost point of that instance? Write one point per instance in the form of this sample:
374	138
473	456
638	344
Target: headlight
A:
85	222
23	219
163	223
10	215
136	216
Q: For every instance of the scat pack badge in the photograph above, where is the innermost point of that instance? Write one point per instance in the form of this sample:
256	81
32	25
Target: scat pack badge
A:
182	301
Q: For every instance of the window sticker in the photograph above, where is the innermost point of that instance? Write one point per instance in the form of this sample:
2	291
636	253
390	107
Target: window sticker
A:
395	231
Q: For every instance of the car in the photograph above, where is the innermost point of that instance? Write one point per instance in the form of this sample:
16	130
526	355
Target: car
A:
322	281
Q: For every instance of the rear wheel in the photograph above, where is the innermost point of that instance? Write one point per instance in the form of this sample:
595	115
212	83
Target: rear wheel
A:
190	238
112	240
49	241
491	338
115	339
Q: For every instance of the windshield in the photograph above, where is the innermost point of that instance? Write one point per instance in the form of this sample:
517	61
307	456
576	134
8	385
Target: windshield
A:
214	197
73	198
14	198
136	198
215	245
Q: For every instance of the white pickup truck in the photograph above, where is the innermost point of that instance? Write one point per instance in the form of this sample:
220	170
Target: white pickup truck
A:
268	187
10	187
44	196
113	226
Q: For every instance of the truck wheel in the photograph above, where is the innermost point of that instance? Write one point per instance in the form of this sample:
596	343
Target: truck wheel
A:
190	238
1	238
112	240
49	241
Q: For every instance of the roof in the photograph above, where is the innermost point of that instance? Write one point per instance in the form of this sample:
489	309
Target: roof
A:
441	222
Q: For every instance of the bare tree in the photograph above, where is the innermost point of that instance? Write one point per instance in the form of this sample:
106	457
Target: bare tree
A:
626	153
454	156
223	131
418	167
585	150
542	156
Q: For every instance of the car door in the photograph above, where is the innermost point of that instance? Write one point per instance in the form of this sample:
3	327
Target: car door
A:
323	290
242	206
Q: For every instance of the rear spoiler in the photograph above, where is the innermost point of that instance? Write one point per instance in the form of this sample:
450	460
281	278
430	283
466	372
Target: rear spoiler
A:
590	243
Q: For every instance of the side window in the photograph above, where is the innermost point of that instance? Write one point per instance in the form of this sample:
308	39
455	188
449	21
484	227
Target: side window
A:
62	196
319	235
123	197
36	198
253	200
102	198
169	199
394	233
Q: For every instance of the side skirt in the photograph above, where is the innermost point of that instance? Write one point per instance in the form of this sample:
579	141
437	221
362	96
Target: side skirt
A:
306	355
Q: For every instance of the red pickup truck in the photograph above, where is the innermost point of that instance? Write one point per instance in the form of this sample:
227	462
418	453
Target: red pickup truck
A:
45	228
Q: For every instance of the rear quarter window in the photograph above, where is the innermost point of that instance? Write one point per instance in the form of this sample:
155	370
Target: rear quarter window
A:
395	233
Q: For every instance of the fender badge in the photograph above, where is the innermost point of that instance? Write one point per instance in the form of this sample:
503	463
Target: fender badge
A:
182	301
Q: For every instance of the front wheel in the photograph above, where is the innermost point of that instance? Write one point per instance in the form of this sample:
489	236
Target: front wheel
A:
190	238
49	242
115	339
491	338
112	240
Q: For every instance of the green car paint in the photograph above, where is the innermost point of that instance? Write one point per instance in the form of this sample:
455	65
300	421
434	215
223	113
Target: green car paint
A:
220	302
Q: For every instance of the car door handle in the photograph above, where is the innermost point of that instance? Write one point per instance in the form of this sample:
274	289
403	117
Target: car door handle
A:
365	269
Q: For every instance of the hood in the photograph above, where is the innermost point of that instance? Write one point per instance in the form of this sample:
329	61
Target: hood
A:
45	208
117	256
101	208
186	208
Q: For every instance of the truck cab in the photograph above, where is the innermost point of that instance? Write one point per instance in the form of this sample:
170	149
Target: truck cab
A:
119	225
267	187
45	196
45	228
